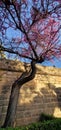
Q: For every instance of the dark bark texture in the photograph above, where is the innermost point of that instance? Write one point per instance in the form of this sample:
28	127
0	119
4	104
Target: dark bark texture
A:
11	111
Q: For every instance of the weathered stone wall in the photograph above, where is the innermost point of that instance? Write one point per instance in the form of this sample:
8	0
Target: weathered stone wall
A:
41	95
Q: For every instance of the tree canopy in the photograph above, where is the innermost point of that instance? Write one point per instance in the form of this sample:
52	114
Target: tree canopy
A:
38	23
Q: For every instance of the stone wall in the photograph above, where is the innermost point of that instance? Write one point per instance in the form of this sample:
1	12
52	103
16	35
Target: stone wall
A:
41	95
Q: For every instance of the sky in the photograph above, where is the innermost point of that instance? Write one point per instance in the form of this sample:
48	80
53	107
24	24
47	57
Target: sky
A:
55	63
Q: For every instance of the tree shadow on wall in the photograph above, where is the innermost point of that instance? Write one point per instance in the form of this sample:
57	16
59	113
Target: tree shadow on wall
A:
49	101
57	90
51	89
33	100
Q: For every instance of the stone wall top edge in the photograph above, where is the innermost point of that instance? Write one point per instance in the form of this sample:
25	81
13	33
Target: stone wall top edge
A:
12	65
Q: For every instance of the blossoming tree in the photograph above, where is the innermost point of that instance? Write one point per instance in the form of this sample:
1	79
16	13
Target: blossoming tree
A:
38	23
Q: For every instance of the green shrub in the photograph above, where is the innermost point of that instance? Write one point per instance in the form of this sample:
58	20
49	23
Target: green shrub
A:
45	117
54	124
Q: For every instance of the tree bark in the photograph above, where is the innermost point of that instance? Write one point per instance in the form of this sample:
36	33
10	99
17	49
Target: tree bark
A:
11	111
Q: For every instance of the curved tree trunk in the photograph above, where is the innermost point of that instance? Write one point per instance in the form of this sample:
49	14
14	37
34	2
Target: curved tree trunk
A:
11	111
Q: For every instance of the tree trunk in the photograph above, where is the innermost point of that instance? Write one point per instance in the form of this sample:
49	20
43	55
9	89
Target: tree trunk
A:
10	116
11	111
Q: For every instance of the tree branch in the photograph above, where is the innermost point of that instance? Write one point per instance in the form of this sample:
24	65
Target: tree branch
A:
22	29
14	52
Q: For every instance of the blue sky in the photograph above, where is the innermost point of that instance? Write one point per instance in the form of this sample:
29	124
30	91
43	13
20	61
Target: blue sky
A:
56	63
